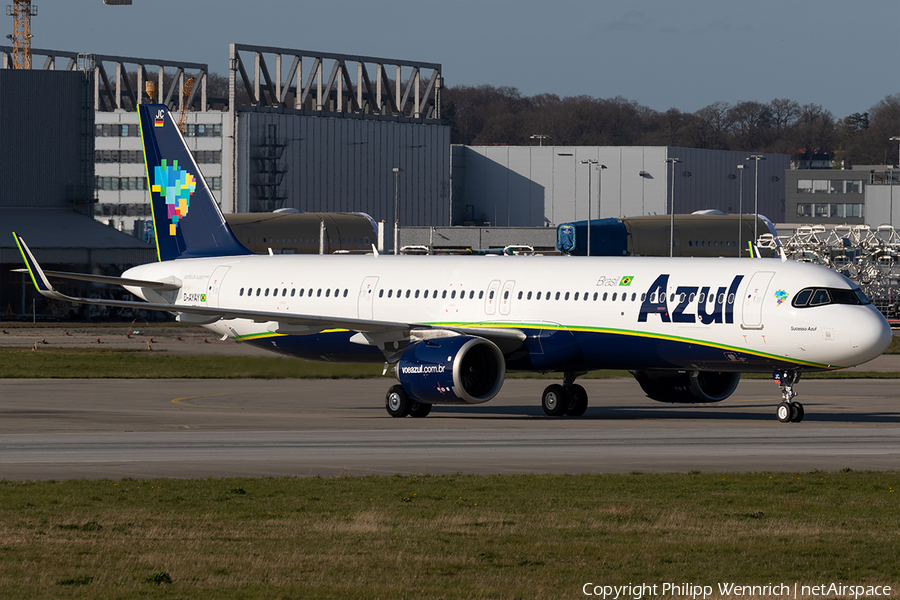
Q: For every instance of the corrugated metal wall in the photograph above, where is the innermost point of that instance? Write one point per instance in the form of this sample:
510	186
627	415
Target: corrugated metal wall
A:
46	138
535	186
344	165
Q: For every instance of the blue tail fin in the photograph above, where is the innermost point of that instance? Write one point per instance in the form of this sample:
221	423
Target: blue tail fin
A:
187	221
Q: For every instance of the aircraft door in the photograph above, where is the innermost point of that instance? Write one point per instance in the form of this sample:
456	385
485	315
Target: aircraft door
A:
367	297
490	300
751	312
506	296
214	285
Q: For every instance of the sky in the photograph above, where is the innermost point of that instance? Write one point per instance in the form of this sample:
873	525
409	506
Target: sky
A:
683	54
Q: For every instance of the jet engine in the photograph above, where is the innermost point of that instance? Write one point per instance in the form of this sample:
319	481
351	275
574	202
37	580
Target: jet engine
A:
687	387
452	370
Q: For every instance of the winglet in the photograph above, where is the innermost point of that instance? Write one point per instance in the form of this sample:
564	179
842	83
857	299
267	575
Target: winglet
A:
34	269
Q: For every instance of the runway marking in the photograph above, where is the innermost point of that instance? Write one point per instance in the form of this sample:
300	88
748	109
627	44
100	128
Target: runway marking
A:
183	401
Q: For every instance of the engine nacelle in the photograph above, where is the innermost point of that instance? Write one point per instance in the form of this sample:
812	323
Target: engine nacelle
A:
452	370
688	387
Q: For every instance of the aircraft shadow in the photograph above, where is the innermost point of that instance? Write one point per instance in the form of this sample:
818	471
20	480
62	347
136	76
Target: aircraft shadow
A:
766	412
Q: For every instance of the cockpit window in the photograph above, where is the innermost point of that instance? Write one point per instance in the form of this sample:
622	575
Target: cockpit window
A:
819	298
810	297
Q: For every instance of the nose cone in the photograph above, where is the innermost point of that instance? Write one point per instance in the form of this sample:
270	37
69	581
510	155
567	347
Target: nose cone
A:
870	336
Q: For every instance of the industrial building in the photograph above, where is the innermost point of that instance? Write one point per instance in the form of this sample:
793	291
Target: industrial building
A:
47	194
322	132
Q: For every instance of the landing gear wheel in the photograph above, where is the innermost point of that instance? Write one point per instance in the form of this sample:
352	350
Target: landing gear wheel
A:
784	412
555	400
419	409
796	412
397	402
578	400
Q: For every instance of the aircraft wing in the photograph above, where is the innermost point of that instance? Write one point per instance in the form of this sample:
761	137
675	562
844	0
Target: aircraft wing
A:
292	323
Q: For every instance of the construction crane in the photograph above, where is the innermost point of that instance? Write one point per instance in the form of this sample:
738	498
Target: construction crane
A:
185	99
21	11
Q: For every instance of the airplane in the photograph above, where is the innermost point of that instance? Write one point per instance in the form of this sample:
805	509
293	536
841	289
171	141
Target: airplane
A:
451	327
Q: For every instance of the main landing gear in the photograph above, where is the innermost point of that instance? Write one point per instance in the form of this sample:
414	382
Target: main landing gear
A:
788	411
399	404
567	399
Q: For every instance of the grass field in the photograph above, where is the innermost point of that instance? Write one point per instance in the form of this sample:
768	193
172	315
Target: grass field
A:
443	537
89	363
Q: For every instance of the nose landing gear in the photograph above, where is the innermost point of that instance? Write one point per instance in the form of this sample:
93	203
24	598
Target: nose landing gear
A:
788	411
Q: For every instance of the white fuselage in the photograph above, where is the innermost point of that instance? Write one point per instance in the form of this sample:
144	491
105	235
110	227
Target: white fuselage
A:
722	314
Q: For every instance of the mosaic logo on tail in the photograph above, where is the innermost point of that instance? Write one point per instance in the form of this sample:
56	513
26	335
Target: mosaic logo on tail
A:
176	186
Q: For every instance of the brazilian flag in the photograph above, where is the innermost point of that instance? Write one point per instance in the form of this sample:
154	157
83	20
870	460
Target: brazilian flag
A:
626	281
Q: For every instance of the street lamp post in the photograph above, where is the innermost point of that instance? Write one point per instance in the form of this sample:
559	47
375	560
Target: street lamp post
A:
589	162
397	210
757	158
674	161
891	184
540	137
740	210
897	139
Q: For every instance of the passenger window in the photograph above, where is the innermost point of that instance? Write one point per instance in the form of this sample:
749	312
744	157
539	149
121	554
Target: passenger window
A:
267	291
595	296
319	293
471	294
586	294
425	294
690	298
301	292
453	295
417	293
328	292
634	296
407	293
566	297
520	295
614	296
293	291
643	296
721	298
443	294
345	292
480	294
604	296
701	298
557	295
576	296
381	293
258	291
390	293
284	292
538	295
730	298
242	292
529	296
506	295
492	295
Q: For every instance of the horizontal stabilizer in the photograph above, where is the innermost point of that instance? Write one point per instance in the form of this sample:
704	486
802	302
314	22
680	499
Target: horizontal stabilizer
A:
155	285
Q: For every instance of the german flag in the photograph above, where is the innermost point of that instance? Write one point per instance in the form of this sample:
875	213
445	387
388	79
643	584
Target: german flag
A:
158	122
